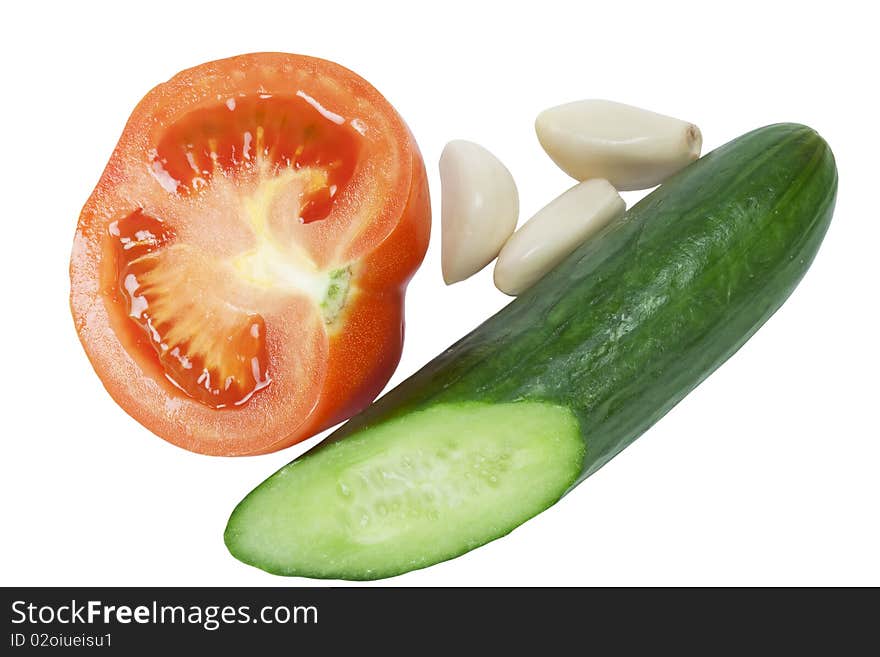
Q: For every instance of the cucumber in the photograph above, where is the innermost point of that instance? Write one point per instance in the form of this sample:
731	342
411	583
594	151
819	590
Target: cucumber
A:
506	421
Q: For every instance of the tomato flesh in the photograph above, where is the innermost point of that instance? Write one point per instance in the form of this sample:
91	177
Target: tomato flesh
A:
207	347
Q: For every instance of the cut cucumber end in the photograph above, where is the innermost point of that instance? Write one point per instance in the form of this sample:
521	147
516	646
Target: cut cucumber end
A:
410	492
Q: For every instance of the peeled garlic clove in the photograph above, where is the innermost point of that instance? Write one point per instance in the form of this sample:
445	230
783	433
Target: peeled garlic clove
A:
630	147
554	233
479	209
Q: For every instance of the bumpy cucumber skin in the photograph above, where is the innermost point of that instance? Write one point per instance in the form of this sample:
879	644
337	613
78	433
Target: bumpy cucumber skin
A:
637	317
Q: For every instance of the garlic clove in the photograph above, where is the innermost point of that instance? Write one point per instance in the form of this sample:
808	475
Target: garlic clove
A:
555	232
630	147
479	209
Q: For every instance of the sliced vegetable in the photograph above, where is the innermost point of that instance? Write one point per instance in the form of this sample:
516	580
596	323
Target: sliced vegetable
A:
237	276
598	350
554	232
630	147
375	501
480	207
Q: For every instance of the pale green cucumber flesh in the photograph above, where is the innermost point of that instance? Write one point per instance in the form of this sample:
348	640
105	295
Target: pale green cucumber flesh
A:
412	491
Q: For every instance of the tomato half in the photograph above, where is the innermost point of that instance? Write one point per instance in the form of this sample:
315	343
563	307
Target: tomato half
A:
238	273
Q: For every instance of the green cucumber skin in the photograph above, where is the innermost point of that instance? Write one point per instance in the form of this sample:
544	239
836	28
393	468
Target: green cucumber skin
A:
636	318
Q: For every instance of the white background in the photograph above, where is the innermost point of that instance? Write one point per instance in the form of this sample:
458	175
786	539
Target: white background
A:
769	473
